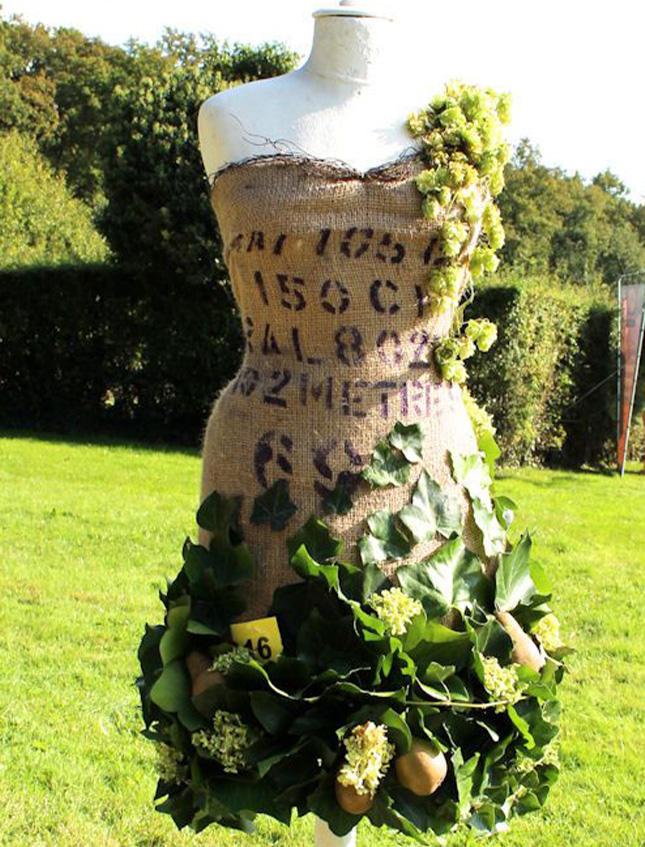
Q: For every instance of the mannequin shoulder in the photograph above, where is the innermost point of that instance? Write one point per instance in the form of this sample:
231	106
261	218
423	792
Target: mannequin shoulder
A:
228	120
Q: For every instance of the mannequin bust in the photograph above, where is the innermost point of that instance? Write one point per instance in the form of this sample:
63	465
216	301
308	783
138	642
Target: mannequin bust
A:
349	101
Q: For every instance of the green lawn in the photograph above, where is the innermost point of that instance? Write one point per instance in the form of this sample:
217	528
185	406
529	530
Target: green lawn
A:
89	532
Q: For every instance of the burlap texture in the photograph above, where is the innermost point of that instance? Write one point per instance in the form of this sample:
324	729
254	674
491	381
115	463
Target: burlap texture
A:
328	267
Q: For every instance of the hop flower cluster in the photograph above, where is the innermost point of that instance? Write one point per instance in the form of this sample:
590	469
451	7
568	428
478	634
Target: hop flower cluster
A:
461	133
450	353
367	758
462	137
224	662
547	631
170	764
396	609
227	742
502	683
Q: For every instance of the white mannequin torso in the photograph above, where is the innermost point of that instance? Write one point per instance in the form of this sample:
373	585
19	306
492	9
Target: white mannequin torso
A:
348	102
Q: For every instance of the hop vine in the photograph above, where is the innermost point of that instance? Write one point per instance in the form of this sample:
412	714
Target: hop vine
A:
461	132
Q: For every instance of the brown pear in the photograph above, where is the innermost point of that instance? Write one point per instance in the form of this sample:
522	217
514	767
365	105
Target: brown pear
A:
351	801
422	769
525	651
197	663
207	679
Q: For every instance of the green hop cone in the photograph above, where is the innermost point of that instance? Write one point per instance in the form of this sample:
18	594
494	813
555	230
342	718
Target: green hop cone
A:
452	116
466	347
483	261
482	332
487	336
431	208
445	281
454	371
453	236
447	351
426	181
417	123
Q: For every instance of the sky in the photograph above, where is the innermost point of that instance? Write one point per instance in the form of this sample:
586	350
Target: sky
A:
574	67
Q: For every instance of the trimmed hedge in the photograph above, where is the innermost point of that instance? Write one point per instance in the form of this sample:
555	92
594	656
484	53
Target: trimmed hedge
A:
548	380
95	349
90	348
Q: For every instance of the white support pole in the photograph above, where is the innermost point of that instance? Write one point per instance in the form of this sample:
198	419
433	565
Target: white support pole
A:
324	837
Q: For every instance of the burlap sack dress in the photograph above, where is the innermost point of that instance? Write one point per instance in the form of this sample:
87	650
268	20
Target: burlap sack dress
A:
327	265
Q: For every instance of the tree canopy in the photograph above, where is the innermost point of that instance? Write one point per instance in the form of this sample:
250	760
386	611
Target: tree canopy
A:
118	123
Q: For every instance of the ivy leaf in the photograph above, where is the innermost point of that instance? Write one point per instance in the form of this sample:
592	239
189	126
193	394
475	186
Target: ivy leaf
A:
274	506
320	543
307	567
513	580
382	813
491	639
234	563
412	808
373	580
472	472
171	691
522	725
442	645
438	673
175	639
387	466
430	511
274	713
384	541
408	438
493	533
505	509
338	501
489	447
218	514
464	772
180	807
452	576
414	631
488	819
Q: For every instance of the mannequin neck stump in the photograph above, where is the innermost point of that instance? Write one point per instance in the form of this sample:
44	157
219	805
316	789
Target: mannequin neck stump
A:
356	50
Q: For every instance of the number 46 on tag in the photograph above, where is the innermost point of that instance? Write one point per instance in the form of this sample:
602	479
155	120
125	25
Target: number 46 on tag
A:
261	637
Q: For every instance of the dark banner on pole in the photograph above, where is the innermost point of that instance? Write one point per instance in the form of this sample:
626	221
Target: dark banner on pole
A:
632	325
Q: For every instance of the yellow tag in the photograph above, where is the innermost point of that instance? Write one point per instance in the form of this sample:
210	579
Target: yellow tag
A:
261	637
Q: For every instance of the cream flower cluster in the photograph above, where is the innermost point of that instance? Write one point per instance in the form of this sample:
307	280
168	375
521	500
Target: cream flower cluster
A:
502	683
224	662
228	741
169	764
368	756
547	631
550	756
396	609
